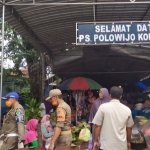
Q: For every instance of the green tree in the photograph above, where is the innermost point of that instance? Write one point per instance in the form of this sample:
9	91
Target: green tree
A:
18	49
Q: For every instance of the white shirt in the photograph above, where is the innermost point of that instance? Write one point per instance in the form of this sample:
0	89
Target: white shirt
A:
113	117
43	113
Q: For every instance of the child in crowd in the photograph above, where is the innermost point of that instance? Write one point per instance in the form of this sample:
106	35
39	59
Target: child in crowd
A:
31	136
47	130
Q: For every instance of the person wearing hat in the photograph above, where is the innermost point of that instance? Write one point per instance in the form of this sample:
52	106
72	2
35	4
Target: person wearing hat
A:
62	134
13	124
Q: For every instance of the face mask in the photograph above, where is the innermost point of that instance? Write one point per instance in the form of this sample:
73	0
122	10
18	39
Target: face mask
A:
55	103
8	103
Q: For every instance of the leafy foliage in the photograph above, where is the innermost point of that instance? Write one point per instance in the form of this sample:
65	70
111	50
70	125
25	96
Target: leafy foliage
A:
34	110
22	53
33	107
18	49
19	81
8	88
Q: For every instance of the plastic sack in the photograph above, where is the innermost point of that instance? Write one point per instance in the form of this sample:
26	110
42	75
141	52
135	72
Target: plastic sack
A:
146	132
47	144
85	134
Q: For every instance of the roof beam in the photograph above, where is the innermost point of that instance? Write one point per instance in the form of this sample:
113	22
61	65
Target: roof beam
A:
95	10
21	21
148	8
125	72
81	3
13	1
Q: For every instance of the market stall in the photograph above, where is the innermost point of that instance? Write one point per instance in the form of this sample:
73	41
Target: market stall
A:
140	133
79	85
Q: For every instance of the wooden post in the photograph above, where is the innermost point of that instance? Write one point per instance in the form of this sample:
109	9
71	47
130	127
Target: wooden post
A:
39	135
42	75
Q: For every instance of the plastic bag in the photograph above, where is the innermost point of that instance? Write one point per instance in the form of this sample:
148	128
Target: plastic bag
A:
85	134
47	144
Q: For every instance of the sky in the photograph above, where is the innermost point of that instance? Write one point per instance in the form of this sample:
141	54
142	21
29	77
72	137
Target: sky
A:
7	62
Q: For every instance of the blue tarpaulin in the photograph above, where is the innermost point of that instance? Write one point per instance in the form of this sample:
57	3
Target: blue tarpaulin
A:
141	84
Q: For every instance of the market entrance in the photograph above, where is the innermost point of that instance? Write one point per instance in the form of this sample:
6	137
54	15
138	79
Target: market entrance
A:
54	35
52	31
51	27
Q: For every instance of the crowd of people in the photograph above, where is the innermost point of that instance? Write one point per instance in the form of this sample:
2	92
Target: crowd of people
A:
31	135
15	134
110	120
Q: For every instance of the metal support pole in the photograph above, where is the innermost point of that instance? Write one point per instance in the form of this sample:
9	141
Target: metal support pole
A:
42	75
94	11
95	3
13	1
76	33
2	55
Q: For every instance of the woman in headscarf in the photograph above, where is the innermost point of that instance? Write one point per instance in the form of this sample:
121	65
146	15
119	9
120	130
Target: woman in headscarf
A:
47	130
46	127
31	137
103	98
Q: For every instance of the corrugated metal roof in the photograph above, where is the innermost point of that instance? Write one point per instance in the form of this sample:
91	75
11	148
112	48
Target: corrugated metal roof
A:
55	25
51	29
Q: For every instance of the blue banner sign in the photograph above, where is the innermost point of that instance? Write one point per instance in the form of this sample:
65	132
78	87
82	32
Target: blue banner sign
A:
112	33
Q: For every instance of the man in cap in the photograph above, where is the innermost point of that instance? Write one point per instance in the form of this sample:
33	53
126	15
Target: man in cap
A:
113	124
62	134
13	124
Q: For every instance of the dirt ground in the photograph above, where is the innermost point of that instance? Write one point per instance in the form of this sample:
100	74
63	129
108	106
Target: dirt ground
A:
1	144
